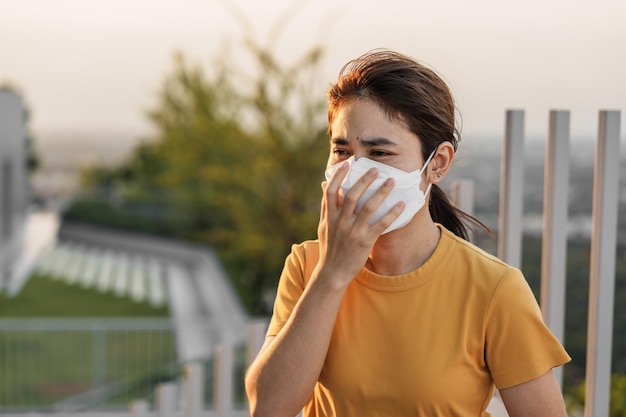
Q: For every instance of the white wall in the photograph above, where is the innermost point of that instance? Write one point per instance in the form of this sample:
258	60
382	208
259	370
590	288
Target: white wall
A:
13	179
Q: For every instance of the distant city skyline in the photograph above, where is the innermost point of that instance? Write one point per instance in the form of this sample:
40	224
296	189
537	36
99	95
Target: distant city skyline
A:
92	69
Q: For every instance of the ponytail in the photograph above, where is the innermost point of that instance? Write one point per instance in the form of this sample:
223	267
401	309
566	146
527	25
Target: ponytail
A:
449	216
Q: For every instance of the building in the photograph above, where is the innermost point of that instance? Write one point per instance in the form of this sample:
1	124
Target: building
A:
14	189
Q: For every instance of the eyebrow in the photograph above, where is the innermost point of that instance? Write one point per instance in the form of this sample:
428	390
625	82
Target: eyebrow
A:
366	142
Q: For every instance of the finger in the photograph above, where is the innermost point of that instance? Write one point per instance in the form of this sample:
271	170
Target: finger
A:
354	194
323	203
370	206
331	192
381	225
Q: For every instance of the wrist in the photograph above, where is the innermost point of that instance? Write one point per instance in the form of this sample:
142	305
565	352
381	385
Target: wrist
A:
331	279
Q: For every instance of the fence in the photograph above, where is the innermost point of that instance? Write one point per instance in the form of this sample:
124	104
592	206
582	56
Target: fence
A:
603	241
72	364
76	364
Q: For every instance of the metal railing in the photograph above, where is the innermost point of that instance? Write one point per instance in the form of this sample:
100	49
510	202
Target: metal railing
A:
603	236
77	365
73	364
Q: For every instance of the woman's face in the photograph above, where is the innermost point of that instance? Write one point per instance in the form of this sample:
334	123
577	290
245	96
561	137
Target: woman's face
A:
361	128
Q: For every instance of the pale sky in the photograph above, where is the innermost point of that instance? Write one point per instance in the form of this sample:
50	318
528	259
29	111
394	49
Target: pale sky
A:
95	65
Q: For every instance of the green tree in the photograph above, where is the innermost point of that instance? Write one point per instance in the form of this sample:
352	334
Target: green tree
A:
244	161
617	397
240	159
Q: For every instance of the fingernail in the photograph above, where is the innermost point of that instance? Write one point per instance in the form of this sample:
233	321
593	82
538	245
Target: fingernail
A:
373	172
388	183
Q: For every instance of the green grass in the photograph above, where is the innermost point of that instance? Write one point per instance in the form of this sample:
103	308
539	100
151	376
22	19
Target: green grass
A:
45	297
39	368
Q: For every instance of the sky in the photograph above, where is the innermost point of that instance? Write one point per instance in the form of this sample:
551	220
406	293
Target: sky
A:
91	68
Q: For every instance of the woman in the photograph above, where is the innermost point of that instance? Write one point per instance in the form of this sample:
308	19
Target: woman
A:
391	312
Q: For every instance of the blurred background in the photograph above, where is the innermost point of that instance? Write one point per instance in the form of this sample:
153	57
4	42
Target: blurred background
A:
167	142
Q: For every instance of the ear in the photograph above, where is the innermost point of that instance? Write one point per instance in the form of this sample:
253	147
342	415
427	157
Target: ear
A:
440	163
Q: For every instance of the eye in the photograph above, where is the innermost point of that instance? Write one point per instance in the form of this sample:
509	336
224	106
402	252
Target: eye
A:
341	153
379	153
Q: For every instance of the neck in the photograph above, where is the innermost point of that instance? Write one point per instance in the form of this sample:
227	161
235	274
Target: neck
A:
405	249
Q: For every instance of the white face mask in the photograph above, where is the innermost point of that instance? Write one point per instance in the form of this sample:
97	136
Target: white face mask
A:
406	188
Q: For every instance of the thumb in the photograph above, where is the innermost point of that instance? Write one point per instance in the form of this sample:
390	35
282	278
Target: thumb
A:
323	204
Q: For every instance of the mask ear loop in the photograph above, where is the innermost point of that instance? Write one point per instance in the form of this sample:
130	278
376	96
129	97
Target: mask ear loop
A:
432	154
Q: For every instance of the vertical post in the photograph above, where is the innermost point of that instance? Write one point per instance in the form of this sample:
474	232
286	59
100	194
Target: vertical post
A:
98	355
166	394
256	338
554	240
223	383
194	389
511	190
139	408
602	266
462	193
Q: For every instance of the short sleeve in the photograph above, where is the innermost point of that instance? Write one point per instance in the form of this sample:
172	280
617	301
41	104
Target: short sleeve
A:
293	279
519	345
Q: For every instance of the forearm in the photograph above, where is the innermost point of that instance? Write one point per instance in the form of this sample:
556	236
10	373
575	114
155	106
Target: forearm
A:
282	378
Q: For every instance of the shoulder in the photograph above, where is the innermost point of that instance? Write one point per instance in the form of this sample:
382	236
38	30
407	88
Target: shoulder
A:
476	267
471	255
306	251
303	258
305	246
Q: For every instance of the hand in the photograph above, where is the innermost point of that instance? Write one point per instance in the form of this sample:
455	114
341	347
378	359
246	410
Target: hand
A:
346	239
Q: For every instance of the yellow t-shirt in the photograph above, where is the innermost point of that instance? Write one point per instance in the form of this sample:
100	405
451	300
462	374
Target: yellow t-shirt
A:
432	342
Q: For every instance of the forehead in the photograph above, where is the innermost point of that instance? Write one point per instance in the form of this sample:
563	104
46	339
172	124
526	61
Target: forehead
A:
365	117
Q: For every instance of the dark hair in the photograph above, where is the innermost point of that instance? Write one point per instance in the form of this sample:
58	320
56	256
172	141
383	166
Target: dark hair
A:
415	95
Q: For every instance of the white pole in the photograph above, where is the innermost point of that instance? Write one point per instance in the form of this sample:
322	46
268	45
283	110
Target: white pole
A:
602	266
256	338
554	241
166	395
194	389
511	190
223	382
462	193
139	408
